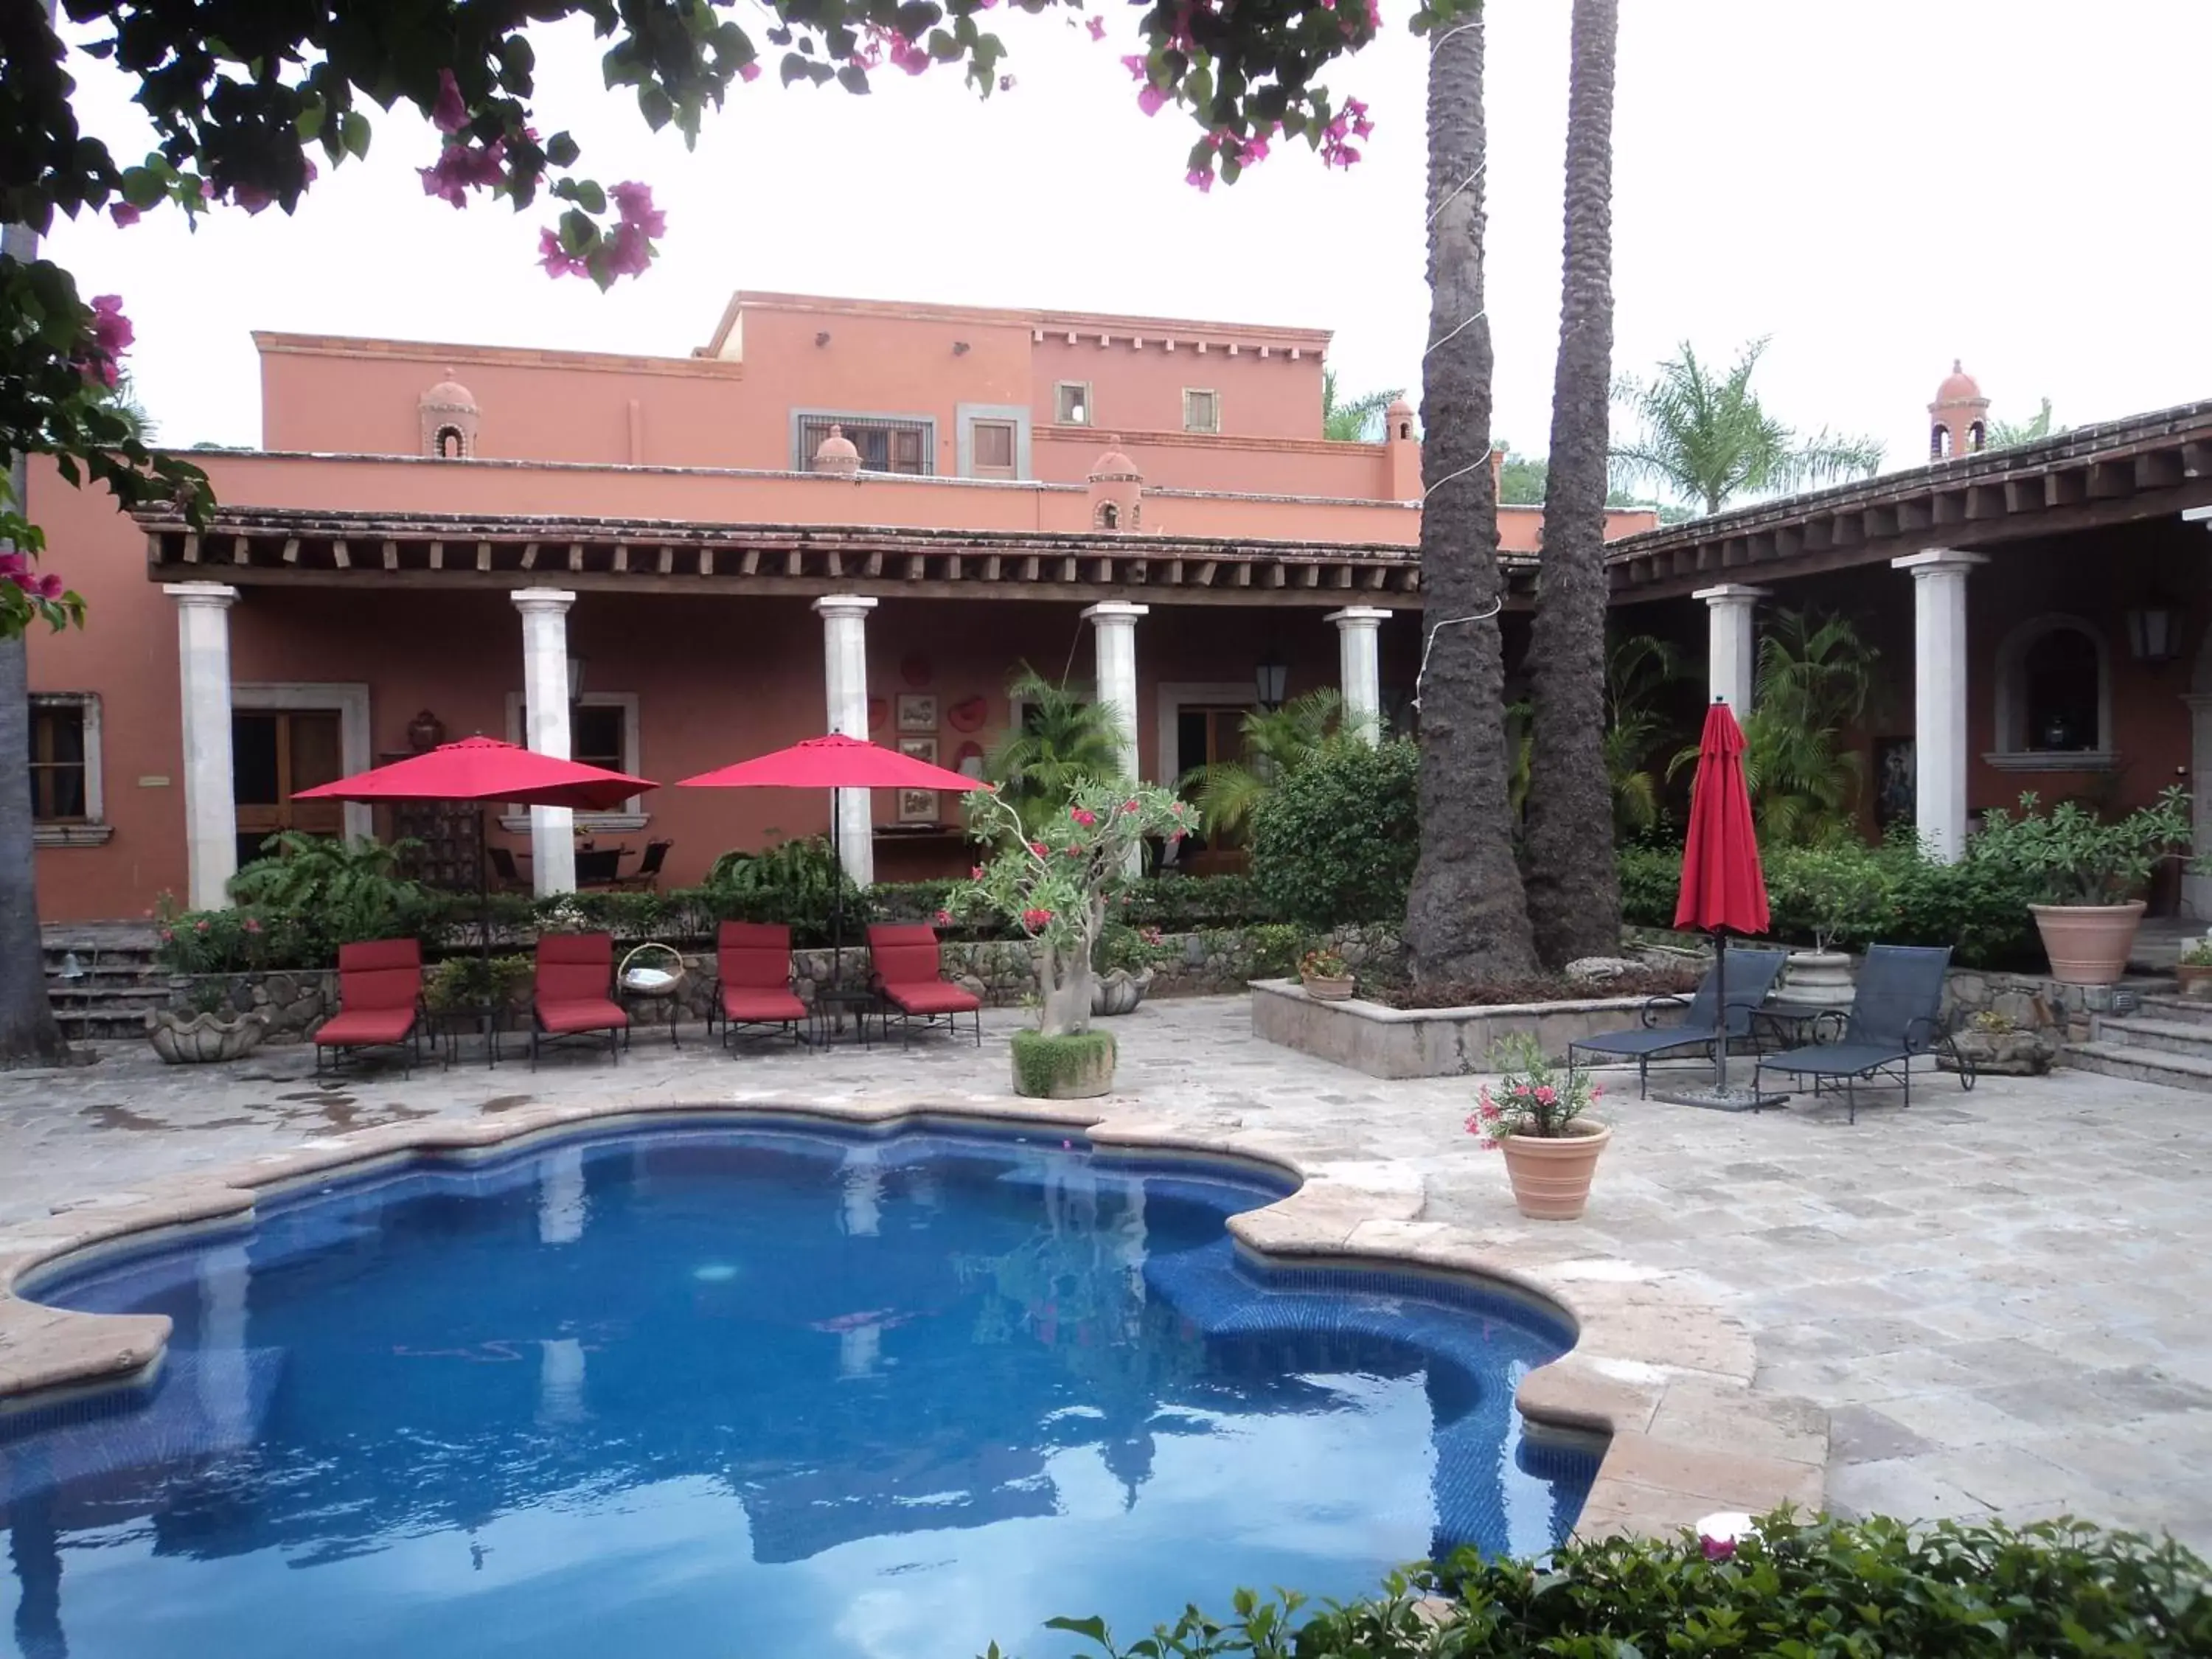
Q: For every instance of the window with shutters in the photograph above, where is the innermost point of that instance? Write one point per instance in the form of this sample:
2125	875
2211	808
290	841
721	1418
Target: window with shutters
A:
1201	411
66	804
994	449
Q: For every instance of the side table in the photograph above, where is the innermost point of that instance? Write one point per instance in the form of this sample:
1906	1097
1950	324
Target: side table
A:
832	1006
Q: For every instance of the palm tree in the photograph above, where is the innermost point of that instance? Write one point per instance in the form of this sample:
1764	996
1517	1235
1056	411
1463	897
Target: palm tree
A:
1573	886
1705	436
2003	434
1815	676
1465	918
1277	743
1352	420
1064	738
1638	668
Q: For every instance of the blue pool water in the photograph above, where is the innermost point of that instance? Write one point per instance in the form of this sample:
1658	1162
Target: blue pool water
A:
755	1394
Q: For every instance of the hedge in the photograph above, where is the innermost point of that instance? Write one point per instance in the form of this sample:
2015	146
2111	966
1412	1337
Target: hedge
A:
2058	1590
1335	840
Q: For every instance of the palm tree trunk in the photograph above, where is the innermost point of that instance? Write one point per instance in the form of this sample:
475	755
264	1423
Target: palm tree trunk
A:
28	1030
1464	917
1574	889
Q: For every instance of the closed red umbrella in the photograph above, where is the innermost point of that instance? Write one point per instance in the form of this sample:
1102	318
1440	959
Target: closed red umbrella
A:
1723	890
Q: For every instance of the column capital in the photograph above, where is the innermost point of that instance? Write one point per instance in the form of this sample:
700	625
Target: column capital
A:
845	604
1939	562
1117	610
554	599
1732	593
219	595
1358	616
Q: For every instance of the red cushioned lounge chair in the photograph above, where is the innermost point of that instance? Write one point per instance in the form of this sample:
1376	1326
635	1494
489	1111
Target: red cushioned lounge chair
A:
753	960
379	1001
573	995
909	978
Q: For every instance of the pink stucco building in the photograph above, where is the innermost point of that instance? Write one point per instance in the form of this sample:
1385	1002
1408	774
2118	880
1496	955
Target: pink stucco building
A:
833	510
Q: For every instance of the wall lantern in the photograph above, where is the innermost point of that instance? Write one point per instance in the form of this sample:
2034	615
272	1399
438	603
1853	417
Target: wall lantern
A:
2151	633
1271	679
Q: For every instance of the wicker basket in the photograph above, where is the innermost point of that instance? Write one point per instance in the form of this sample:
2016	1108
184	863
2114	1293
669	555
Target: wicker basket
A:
660	974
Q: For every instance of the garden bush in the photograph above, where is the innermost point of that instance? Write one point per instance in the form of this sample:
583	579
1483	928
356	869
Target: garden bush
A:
2059	1590
1336	841
1178	903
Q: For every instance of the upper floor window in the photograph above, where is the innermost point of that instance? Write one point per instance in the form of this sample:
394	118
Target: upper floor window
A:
994	449
1071	403
886	443
1201	411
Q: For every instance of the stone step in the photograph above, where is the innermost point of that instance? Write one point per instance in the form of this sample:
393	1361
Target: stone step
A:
2167	1036
2137	1064
2194	1011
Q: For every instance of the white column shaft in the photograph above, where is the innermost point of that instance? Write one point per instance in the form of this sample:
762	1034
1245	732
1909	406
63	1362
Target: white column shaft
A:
545	696
1732	643
1113	628
210	794
1359	670
1939	697
845	679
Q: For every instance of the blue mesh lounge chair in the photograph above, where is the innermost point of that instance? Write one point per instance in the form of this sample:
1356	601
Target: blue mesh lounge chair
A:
1896	1014
1751	975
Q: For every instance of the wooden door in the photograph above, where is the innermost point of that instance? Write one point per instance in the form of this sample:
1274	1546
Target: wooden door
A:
275	754
1207	736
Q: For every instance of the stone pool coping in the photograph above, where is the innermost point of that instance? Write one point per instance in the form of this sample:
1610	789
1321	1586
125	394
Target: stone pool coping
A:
1656	1366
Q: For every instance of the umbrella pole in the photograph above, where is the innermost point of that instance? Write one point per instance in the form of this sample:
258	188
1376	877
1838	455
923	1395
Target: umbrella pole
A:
836	893
491	1016
1720	987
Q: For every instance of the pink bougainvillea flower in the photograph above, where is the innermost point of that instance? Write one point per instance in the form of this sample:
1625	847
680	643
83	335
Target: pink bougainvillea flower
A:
1135	63
945	918
251	197
24	579
13	562
1131	806
907	55
50	587
1039	848
975	873
124	214
448	114
1034	918
1098	28
1199	179
556	259
112	333
1083	816
253	926
628	253
1717	1549
461	168
749	71
635	203
1151	98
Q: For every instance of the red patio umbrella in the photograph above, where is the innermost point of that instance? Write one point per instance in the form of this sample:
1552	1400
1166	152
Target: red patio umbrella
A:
1723	890
484	770
836	762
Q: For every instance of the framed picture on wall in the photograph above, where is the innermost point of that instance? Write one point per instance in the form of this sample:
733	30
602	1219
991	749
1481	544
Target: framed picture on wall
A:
917	806
917	712
1893	773
920	749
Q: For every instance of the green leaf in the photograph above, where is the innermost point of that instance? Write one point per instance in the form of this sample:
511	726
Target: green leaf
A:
854	79
309	121
588	196
654	104
561	150
352	132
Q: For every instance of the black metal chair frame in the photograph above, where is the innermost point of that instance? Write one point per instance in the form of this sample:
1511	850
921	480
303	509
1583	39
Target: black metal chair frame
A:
410	1048
1693	1038
892	1014
1924	1034
752	1030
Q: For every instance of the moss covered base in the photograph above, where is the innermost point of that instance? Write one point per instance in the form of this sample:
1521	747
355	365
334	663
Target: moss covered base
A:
1077	1066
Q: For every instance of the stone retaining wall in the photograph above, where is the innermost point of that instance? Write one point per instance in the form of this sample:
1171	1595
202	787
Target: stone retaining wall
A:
1423	1042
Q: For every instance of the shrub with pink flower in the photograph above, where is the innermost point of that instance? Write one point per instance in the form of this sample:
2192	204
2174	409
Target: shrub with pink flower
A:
1057	879
1532	1096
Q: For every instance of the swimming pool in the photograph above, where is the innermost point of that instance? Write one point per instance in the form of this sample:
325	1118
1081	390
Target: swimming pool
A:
760	1391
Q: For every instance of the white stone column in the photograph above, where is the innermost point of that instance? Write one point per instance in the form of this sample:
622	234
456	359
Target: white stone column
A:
1939	697
1359	669
1114	626
845	675
1732	643
545	696
2195	890
210	794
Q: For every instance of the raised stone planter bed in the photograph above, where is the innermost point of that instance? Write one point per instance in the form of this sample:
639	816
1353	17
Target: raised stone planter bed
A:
1423	1042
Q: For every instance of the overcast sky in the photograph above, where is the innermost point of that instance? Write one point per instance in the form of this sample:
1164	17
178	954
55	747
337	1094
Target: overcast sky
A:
1881	187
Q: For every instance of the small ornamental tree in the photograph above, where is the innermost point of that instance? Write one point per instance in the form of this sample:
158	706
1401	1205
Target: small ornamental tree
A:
1059	882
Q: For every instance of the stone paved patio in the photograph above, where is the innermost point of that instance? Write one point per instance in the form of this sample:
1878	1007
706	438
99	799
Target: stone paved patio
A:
1998	1297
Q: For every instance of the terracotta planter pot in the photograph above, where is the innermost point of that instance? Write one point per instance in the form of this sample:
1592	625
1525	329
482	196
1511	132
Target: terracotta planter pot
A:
2087	943
2195	981
1327	990
1551	1176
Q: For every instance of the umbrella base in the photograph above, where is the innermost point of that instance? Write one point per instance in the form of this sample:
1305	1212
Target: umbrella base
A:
1736	1097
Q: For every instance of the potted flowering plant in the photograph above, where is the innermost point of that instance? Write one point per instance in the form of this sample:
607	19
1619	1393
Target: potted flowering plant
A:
1055	881
1534	1115
2092	875
1325	975
2194	970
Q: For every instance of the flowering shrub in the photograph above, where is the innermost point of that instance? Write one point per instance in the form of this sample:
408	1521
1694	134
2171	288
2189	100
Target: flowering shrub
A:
1057	881
1532	1097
